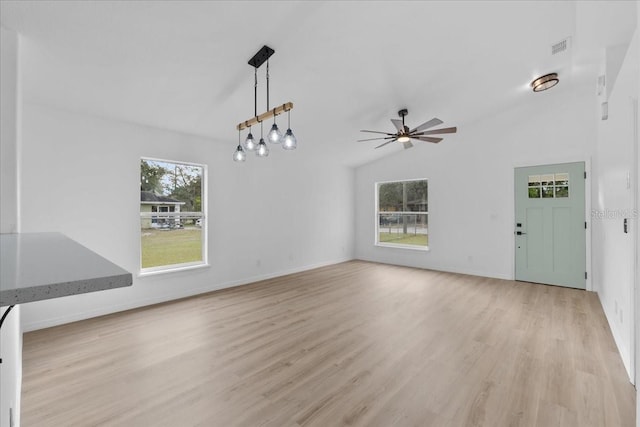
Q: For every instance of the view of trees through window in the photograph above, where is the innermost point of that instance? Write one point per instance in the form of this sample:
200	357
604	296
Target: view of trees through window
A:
171	215
403	211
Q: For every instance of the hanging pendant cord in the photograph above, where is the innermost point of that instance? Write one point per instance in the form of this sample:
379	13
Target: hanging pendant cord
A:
267	85
255	92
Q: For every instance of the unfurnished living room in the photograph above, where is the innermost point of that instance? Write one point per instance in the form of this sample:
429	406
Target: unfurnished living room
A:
319	213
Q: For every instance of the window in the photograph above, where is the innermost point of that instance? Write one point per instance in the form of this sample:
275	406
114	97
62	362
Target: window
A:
402	214
172	215
549	186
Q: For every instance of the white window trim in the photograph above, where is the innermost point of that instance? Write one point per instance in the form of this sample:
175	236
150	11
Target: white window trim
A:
376	187
400	246
173	268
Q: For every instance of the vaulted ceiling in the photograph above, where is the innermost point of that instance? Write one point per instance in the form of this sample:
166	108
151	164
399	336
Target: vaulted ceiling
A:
345	65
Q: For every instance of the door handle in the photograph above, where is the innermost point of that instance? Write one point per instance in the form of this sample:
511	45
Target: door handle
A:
520	233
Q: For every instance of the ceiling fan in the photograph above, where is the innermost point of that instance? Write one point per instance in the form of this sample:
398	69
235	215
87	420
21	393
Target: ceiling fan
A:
405	135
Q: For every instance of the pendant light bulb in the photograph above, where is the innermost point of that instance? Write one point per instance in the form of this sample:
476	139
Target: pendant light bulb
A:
275	136
289	141
239	155
250	143
262	150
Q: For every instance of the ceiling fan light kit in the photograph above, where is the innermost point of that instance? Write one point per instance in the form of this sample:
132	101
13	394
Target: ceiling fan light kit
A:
545	82
288	141
404	135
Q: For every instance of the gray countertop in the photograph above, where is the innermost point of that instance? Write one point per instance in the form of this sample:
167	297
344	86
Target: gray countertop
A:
40	266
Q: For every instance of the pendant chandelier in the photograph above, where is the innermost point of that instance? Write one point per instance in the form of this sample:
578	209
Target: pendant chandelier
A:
287	141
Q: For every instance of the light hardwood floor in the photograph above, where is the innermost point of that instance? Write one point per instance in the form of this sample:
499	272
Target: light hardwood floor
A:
356	343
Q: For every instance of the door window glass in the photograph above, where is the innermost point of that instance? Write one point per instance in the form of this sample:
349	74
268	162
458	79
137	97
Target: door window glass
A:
548	186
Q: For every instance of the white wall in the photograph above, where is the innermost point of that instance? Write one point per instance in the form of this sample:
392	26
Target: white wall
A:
9	131
267	217
471	202
10	368
11	333
616	187
637	307
637	224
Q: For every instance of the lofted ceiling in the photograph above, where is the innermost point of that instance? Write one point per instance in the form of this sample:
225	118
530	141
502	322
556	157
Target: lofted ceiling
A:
346	66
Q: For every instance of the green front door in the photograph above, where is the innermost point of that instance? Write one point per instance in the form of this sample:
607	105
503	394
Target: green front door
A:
550	230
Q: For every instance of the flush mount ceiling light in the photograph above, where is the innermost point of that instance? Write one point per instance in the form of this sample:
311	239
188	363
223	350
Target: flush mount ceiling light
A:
545	82
288	140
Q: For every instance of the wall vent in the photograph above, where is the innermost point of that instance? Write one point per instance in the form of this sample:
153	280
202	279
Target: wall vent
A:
561	46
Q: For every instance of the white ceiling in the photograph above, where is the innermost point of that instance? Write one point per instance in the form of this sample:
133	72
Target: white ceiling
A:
345	65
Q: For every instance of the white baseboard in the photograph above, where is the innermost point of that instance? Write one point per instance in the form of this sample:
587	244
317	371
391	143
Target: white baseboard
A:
448	269
74	317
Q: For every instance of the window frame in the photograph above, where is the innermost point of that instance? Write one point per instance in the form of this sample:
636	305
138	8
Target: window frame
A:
170	268
377	217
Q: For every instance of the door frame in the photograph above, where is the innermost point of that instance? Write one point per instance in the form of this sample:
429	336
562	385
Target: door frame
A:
587	207
635	222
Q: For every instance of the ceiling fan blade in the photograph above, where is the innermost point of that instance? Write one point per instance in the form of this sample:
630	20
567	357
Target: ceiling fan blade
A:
439	131
388	142
398	124
407	144
426	125
375	139
375	131
427	138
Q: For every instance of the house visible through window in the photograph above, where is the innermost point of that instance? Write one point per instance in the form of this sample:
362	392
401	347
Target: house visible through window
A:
402	214
172	219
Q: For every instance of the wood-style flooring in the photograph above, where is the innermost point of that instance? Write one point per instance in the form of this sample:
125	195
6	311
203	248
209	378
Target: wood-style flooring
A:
357	343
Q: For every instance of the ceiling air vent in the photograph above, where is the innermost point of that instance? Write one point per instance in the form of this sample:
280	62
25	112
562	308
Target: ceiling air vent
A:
561	46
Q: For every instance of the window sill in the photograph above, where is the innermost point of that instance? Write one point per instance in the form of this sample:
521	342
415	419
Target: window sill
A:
410	247
174	269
